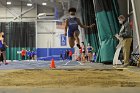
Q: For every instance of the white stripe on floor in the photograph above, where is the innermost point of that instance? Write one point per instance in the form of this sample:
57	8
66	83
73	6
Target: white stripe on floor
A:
80	63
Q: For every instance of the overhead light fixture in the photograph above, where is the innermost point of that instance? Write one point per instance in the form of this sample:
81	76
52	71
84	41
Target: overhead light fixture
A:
9	3
44	4
29	4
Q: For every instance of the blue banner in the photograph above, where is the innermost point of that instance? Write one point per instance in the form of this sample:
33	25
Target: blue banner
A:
63	40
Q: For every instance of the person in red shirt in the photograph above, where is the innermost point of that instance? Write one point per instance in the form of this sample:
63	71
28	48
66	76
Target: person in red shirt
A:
23	54
80	50
70	55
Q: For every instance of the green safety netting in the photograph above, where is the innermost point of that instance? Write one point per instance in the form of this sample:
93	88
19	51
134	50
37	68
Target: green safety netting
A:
88	18
107	12
18	35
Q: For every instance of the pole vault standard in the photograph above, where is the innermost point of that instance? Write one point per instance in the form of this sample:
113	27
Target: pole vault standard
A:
136	22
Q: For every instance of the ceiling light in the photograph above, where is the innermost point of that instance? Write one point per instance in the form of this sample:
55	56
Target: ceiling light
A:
44	4
29	4
9	3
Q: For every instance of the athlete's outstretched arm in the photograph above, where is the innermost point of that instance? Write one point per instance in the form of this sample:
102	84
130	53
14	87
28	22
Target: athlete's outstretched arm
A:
84	26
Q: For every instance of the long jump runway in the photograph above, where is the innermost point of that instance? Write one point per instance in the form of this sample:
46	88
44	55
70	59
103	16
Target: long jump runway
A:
13	65
38	64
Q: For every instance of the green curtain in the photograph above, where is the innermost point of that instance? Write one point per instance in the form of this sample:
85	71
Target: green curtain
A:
107	12
18	35
88	18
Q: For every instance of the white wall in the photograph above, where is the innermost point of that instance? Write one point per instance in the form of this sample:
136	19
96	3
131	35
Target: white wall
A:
45	38
57	40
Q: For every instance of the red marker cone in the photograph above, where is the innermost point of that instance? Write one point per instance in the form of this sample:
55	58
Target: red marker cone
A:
52	65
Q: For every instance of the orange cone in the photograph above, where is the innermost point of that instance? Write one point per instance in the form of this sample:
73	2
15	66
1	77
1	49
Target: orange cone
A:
52	65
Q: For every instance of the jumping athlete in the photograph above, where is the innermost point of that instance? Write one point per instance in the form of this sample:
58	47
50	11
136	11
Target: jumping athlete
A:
72	24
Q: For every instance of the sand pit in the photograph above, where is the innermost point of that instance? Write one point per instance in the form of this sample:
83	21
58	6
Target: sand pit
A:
69	78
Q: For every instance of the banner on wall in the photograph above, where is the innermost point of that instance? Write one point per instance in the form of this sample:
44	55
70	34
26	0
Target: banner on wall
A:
63	40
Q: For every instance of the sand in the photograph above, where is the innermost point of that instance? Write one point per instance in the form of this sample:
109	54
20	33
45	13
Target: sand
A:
69	78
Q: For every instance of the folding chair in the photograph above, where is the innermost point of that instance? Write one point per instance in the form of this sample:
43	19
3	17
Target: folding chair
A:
135	57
